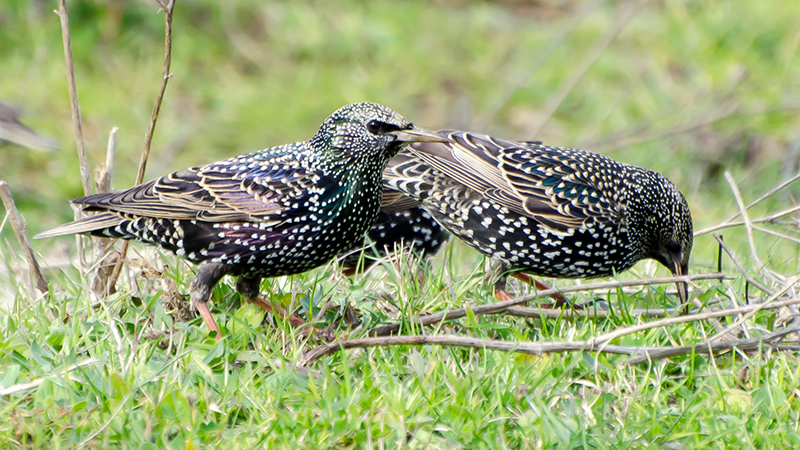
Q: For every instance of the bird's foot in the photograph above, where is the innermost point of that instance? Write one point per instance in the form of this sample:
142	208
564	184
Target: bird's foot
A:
270	307
202	308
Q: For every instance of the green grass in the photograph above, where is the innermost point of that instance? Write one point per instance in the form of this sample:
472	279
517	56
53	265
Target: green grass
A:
255	74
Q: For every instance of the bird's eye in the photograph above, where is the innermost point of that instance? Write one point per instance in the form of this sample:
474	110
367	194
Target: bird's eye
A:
378	127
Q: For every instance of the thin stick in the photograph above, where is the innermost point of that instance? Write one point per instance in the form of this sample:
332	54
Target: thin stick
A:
73	98
567	87
790	282
745	217
712	347
766	195
538	349
767	219
500	307
21	230
165	76
777	234
738	265
105	174
588	313
752	309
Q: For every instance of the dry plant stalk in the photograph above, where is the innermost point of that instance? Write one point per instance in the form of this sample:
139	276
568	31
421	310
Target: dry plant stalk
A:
748	225
501	307
21	230
148	139
640	354
73	98
105	265
730	221
739	266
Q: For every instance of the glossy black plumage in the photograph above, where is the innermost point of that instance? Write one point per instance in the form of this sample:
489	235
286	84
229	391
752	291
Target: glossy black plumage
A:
409	228
548	211
279	211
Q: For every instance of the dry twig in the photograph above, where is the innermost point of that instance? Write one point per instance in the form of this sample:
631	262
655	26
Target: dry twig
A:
738	265
500	307
21	230
165	76
729	222
641	354
745	217
73	98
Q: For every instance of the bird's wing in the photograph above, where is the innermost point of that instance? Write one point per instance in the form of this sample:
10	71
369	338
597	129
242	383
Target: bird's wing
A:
234	190
566	179
519	176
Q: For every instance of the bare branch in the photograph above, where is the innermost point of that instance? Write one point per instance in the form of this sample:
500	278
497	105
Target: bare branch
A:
500	307
165	76
642	354
751	309
745	217
21	230
766	195
73	98
148	139
739	266
767	219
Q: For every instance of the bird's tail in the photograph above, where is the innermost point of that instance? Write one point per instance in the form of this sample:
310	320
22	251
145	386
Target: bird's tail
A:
95	224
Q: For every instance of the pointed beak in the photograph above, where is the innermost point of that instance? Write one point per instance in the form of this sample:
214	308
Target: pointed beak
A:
415	134
678	270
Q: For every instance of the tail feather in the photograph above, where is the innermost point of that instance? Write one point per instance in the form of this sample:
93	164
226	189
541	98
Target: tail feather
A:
89	224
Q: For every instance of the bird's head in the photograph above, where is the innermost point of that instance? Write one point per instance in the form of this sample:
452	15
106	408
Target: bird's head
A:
671	231
368	132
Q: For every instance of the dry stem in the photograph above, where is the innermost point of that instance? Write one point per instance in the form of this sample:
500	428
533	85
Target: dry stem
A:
642	354
165	76
21	230
745	217
500	307
73	98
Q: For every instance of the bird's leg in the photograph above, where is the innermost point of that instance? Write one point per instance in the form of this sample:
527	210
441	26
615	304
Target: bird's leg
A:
559	301
499	270
250	289
208	275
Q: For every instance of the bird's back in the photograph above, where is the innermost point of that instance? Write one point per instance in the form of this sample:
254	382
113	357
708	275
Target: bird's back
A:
551	211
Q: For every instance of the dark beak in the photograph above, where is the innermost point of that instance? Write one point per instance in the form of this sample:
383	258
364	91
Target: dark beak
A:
683	288
415	134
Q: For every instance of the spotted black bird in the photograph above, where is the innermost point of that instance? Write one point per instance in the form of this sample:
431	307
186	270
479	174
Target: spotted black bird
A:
13	131
275	212
547	211
395	229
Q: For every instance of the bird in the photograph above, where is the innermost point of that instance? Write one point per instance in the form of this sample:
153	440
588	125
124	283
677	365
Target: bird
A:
546	211
274	212
410	228
13	131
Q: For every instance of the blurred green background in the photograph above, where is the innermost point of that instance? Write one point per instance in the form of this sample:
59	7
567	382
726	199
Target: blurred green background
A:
686	88
689	88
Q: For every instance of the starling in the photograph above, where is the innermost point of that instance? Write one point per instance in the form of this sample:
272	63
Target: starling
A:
13	131
547	211
274	212
411	228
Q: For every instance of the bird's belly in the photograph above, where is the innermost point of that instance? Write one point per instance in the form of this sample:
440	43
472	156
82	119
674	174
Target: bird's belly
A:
254	248
521	243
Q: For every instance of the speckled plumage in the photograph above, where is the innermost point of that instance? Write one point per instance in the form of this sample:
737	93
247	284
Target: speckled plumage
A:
548	211
279	211
410	228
